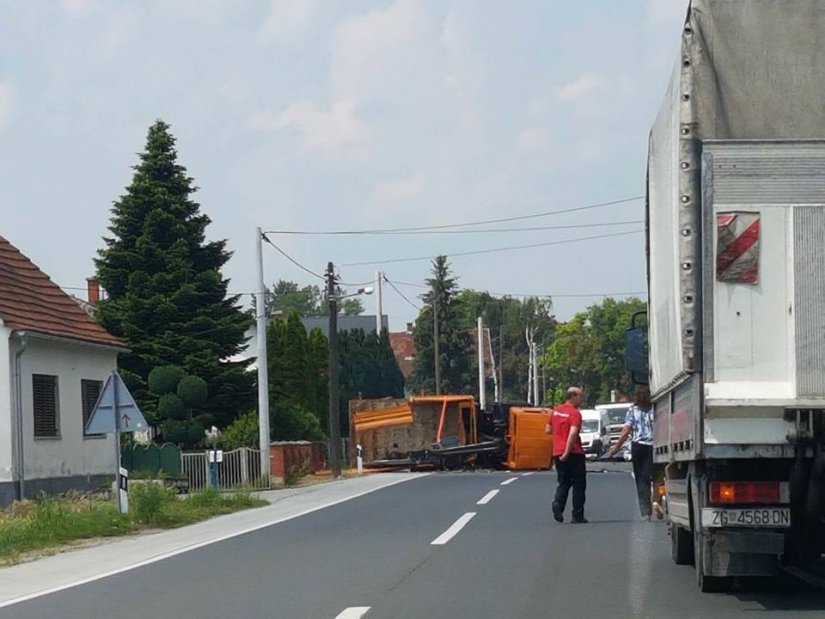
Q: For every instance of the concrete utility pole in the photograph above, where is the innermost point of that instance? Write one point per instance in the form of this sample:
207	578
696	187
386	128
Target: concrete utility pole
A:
263	376
379	309
334	412
482	400
529	337
536	400
436	343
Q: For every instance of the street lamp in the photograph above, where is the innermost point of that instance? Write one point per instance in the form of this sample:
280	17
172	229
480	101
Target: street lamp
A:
334	413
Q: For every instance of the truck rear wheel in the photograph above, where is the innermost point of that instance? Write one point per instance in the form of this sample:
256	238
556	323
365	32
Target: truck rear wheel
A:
681	545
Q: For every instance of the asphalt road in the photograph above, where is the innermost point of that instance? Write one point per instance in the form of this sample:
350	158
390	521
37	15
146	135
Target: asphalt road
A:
510	560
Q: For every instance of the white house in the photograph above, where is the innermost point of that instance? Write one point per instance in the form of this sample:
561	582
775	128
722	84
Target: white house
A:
54	359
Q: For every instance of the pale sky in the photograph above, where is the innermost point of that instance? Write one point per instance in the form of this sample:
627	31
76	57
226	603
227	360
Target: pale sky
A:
323	114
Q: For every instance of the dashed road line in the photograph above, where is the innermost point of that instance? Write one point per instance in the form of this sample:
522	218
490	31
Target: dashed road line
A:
453	530
509	481
487	497
353	612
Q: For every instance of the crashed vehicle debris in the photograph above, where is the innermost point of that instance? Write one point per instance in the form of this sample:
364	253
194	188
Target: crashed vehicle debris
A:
447	432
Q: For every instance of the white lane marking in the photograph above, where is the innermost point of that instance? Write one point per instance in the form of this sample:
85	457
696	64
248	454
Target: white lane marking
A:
509	481
527	474
179	551
487	497
353	612
453	530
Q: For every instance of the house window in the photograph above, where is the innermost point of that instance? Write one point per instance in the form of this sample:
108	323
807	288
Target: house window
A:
46	412
89	393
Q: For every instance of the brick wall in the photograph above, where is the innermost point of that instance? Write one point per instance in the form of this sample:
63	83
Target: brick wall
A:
304	456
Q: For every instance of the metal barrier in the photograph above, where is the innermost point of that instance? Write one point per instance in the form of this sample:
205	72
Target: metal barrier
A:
240	468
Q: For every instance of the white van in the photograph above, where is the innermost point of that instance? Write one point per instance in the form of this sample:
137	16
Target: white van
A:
591	433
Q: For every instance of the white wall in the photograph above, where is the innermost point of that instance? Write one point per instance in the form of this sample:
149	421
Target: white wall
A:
6	405
71	453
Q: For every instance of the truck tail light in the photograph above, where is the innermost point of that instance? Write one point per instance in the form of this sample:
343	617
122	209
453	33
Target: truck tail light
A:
748	492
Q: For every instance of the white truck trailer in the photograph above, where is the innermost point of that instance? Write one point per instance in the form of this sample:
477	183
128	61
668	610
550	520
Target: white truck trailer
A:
736	277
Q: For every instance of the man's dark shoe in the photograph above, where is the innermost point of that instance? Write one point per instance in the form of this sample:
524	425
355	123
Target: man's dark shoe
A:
581	520
558	516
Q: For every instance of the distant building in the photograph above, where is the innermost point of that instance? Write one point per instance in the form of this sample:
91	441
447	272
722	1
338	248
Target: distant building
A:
403	347
365	322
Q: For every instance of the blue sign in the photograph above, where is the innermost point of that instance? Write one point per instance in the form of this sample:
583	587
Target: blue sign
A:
115	410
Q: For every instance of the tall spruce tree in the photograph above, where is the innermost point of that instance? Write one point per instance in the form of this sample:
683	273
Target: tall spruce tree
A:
454	339
166	298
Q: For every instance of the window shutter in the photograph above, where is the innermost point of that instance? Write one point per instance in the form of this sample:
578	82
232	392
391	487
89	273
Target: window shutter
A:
90	392
44	390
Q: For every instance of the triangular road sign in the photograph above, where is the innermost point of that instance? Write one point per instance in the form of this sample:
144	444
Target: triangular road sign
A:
115	410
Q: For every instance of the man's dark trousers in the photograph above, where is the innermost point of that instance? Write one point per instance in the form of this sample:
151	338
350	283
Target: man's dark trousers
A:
571	473
642	457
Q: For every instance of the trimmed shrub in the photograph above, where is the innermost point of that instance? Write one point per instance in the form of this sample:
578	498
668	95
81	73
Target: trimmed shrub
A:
193	391
171	406
165	379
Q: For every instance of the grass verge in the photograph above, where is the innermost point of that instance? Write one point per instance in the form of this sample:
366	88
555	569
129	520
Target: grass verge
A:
49	523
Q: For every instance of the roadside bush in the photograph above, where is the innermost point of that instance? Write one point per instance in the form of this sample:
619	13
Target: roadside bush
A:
243	432
148	501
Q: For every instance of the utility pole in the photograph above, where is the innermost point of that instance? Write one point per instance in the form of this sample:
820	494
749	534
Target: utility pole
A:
263	375
379	310
334	412
500	395
543	375
529	337
481	386
436	342
536	401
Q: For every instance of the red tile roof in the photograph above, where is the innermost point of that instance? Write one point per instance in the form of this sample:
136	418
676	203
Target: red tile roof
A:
403	348
30	301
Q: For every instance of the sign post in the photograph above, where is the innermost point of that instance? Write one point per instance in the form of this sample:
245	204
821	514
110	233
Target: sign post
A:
115	411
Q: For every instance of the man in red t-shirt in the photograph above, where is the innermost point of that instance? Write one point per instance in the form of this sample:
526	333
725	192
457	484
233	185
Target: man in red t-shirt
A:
565	423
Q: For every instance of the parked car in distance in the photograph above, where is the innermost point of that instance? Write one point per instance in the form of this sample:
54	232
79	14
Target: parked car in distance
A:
591	433
612	422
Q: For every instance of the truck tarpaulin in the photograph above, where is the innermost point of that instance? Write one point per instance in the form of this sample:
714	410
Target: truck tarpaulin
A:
730	58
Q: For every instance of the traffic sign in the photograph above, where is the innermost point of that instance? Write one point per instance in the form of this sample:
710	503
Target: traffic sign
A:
115	410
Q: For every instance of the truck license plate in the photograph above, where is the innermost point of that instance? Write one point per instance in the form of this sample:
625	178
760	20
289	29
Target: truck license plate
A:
750	517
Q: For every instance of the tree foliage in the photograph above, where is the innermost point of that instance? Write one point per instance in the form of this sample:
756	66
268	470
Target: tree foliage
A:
243	432
287	296
368	369
454	338
167	300
299	375
589	350
508	320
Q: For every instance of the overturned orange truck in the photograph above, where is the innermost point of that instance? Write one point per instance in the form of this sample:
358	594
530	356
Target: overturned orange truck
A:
447	432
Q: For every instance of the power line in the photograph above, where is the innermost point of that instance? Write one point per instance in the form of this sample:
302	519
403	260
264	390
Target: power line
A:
291	259
531	229
457	225
492	251
453	231
542	296
403	296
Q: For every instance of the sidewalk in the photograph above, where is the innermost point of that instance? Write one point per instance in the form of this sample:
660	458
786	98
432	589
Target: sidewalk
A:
74	567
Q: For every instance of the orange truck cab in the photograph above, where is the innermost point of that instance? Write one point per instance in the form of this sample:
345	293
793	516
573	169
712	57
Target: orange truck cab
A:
529	447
